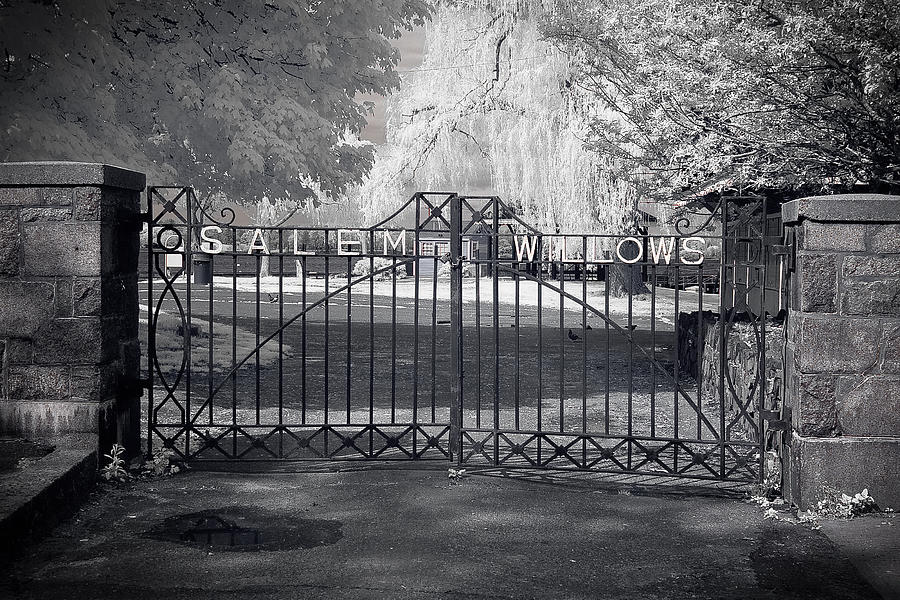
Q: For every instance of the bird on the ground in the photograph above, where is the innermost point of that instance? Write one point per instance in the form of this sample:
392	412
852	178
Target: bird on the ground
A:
273	298
573	336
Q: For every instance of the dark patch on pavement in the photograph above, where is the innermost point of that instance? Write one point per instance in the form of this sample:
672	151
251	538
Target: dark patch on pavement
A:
240	529
411	534
799	563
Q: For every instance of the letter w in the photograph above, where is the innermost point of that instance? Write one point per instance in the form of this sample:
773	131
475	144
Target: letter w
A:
525	243
662	250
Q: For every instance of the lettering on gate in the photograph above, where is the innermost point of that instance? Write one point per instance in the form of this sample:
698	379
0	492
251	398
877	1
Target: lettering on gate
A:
574	249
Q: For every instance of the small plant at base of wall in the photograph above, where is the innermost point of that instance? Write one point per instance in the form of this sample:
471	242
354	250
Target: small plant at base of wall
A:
160	464
114	470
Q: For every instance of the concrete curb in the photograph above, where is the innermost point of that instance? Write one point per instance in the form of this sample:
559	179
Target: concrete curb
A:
38	497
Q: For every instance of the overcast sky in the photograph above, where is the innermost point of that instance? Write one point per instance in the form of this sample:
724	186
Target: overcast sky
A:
411	46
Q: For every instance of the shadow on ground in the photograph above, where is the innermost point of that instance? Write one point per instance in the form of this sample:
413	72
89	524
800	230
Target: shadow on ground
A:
410	533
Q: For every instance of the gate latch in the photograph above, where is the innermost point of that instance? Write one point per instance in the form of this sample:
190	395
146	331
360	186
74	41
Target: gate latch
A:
454	264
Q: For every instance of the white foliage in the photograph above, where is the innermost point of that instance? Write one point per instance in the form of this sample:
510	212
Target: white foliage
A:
470	117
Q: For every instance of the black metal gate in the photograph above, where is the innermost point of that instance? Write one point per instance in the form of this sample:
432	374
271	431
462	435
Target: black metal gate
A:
454	331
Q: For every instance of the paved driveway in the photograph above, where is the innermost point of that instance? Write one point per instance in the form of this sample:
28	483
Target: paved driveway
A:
409	533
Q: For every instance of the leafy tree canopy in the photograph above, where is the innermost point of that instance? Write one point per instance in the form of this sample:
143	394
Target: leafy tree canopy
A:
245	98
791	94
491	104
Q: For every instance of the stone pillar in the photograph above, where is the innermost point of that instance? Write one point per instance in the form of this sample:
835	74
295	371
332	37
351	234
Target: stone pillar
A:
69	351
843	351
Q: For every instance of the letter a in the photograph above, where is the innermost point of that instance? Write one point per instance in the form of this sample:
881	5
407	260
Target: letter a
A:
258	242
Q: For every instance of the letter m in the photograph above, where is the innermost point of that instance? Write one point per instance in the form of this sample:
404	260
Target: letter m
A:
525	243
400	241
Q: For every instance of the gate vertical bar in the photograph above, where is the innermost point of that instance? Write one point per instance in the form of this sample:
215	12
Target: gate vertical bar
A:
151	333
456	346
723	321
187	268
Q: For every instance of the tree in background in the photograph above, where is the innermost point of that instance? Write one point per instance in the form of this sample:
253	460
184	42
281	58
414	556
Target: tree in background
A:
798	95
244	98
493	103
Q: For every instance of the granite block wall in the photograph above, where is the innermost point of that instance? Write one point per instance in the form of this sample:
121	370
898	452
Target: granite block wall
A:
69	353
843	347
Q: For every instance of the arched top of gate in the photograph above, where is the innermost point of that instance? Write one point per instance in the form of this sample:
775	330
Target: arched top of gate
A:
422	209
481	215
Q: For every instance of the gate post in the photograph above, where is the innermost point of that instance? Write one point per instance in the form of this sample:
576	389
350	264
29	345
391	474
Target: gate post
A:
456	370
69	350
843	348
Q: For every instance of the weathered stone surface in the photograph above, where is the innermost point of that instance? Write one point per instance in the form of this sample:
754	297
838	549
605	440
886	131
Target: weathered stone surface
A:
118	202
56	196
847	237
869	406
19	351
130	356
64	297
29	382
875	266
94	382
44	213
87	296
19	196
63	229
847	464
843	207
116	329
818	282
880	297
127	249
10	242
837	344
59	173
49	418
60	249
890	359
24	307
884	239
70	341
815	413
87	203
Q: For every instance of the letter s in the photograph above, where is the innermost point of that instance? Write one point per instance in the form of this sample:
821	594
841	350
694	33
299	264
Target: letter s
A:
215	246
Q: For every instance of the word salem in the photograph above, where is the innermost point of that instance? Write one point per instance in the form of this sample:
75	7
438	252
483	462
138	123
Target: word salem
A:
628	249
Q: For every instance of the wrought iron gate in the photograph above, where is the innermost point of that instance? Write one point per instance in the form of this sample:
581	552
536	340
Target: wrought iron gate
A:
452	330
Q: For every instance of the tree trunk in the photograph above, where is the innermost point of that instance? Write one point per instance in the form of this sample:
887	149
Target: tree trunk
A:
264	266
623	279
626	279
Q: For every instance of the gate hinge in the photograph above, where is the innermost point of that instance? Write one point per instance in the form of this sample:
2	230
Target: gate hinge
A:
777	420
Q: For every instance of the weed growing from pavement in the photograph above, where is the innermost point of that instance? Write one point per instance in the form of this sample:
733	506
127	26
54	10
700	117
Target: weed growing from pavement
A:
834	505
456	475
160	464
115	469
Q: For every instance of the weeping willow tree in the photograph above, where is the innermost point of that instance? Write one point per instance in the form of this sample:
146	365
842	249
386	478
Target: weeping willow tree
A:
493	106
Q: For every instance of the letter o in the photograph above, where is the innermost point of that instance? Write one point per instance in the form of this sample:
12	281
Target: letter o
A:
640	247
